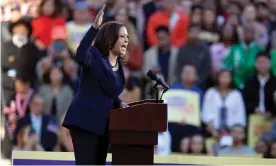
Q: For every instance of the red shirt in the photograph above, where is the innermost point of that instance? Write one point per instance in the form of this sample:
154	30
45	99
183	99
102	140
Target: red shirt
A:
42	28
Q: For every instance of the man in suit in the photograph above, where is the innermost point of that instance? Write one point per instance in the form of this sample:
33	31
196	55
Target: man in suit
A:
43	125
260	91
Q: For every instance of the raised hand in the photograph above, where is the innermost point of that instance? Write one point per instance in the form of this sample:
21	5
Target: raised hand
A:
99	18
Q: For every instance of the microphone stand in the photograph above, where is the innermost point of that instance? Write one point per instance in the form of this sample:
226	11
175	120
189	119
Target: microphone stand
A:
156	92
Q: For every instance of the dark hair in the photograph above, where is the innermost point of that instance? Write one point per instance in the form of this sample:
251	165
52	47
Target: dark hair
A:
23	79
57	6
195	7
162	28
235	37
262	54
267	154
23	22
107	37
231	85
46	76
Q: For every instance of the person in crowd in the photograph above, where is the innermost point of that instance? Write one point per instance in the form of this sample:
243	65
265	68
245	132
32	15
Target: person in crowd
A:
180	131
271	151
241	58
134	50
259	91
196	53
57	53
261	147
188	79
249	16
57	95
19	57
210	31
196	15
197	146
15	15
178	29
77	28
71	70
164	144
65	140
43	127
185	6
238	147
185	145
19	104
219	50
27	140
49	17
132	91
223	106
273	61
162	56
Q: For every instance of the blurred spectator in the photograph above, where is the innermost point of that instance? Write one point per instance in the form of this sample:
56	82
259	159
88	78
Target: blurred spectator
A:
19	57
15	15
219	50
49	17
162	56
132	91
209	31
188	80
180	131
57	95
271	151
77	28
259	91
261	147
42	126
238	147
65	140
176	21
18	104
250	18
185	6
223	106
241	58
71	69
196	53
273	61
197	146
184	145
27	140
134	50
164	144
196	15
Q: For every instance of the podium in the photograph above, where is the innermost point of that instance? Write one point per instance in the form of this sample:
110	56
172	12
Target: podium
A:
134	132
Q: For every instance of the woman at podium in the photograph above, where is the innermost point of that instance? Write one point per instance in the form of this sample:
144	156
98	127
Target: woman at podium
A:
101	82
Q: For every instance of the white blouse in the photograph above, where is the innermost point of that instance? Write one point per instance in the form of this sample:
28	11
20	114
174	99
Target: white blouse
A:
213	102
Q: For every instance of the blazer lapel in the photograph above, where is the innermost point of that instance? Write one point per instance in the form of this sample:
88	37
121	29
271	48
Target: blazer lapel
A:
121	70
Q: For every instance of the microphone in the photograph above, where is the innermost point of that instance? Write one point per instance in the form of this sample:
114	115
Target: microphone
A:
159	80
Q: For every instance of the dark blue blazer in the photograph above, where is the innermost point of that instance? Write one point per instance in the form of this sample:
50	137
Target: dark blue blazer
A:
48	137
97	94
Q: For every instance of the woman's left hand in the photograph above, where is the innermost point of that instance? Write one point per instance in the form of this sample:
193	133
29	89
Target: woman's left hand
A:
124	105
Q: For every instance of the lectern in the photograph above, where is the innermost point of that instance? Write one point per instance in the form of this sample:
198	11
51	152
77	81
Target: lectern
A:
134	132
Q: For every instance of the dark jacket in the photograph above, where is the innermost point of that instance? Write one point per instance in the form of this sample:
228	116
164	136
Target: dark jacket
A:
252	97
197	55
96	94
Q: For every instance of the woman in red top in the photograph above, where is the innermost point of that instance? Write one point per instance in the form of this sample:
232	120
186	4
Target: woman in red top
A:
49	17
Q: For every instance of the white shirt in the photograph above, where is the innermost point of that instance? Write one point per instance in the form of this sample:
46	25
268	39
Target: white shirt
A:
262	81
212	104
37	124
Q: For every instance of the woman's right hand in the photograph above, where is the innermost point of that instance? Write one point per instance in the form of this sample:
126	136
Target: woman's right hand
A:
99	18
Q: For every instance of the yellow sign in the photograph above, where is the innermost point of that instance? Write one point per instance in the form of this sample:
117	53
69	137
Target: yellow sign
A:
183	106
257	125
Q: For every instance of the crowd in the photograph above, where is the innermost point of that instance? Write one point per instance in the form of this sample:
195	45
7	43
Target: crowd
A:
224	50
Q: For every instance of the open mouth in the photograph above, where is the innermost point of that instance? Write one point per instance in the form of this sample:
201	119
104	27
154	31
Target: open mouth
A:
124	47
